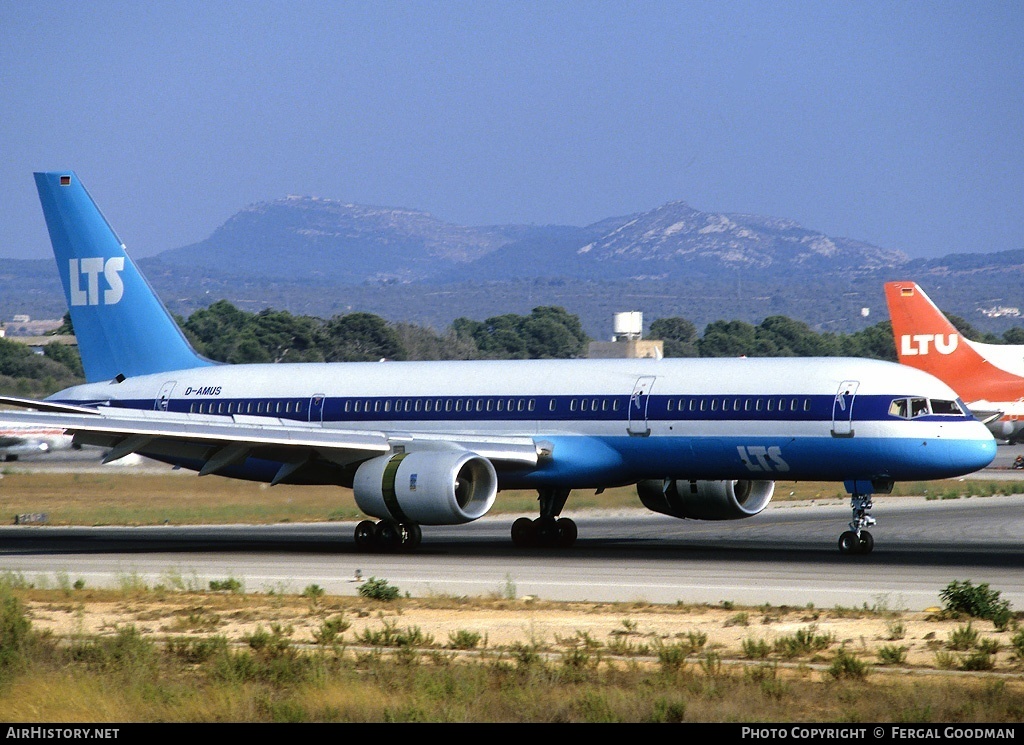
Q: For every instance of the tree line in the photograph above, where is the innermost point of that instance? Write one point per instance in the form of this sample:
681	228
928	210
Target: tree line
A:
225	333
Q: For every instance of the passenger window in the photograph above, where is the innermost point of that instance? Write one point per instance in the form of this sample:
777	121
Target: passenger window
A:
531	404
572	405
670	405
898	407
551	405
807	404
714	404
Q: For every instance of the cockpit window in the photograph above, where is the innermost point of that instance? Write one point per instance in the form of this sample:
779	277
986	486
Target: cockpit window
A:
918	407
912	408
946	408
898	407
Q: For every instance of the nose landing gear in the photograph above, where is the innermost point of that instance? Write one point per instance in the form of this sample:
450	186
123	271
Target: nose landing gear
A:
857	540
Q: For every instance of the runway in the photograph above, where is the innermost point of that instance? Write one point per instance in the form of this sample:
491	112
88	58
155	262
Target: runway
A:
785	556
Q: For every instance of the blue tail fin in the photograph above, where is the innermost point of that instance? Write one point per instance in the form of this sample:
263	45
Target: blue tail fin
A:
121	326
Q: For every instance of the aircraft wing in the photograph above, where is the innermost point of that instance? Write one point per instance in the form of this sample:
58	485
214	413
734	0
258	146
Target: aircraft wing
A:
221	441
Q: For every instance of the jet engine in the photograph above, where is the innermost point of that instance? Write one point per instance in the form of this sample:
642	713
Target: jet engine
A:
706	500
427	487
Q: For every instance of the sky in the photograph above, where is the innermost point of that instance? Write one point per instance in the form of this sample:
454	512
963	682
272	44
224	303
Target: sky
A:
896	123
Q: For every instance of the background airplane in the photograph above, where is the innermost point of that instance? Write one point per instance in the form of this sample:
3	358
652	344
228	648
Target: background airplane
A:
989	377
18	439
432	443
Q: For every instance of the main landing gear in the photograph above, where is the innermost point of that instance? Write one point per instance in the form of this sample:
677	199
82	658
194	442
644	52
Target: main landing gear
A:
548	530
856	540
385	535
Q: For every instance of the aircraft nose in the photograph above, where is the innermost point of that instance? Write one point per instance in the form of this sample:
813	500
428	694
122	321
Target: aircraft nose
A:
978	453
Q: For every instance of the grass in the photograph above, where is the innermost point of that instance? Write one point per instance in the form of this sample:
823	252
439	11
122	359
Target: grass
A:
182	498
361	660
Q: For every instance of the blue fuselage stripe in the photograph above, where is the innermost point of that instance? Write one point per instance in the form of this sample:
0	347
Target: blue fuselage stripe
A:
596	408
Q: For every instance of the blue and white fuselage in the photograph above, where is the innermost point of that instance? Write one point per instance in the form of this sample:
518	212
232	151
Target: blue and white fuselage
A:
604	422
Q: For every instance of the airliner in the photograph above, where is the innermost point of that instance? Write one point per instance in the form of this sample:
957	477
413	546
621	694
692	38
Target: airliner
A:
432	443
990	377
17	440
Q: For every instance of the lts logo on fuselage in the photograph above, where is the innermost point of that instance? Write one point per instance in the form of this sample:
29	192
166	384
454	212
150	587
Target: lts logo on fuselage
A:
912	344
91	269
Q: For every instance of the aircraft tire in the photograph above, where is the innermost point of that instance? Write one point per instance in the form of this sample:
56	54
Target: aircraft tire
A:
547	531
849	543
524	532
388	535
411	536
567	532
366	536
867	542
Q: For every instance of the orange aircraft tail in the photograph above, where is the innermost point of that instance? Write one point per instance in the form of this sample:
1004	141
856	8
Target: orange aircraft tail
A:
925	339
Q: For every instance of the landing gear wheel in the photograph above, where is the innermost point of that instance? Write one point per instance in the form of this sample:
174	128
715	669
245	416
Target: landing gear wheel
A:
524	532
411	535
388	535
849	543
547	531
867	542
365	535
567	532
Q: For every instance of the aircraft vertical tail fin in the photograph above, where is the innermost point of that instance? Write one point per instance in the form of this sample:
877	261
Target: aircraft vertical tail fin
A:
121	326
926	339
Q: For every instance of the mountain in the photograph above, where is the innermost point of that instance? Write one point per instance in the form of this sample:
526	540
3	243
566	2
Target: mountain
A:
310	238
324	257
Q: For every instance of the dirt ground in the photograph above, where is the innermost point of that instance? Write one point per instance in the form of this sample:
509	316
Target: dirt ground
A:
501	623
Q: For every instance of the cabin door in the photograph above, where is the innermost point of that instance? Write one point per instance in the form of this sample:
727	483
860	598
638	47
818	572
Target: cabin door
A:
316	407
637	426
842	409
163	399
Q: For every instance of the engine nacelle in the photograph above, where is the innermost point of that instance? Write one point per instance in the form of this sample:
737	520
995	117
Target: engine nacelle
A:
706	500
429	487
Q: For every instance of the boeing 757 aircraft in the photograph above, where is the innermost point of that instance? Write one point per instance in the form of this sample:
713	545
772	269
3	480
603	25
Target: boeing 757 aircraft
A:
990	377
432	443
